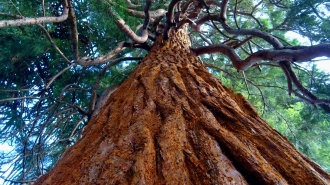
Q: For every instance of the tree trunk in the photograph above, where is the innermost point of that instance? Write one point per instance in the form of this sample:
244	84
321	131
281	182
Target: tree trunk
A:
172	122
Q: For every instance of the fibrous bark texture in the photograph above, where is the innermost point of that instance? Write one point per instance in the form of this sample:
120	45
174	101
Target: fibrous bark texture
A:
172	122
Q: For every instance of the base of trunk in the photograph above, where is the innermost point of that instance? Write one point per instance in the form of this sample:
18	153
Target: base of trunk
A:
172	122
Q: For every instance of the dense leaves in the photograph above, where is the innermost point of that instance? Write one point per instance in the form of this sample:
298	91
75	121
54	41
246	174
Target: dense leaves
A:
43	107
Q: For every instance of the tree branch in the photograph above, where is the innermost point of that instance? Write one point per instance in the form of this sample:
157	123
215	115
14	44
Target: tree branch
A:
146	15
58	74
169	18
123	26
74	31
37	20
53	44
153	14
87	61
297	55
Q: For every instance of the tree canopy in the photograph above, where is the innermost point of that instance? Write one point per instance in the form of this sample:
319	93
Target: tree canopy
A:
57	57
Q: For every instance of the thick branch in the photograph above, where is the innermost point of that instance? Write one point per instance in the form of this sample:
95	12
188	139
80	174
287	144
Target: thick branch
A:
264	35
37	20
299	55
153	14
87	61
123	26
130	33
287	75
252	32
169	18
146	15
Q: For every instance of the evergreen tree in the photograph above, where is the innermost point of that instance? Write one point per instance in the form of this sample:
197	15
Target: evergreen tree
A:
60	67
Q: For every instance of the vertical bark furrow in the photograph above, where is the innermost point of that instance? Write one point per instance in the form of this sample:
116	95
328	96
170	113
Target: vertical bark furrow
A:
171	140
242	153
219	167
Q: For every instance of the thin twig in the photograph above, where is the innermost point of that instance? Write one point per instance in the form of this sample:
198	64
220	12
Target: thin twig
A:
53	44
58	74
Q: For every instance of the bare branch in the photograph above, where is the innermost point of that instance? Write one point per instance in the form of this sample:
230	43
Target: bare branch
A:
300	55
212	2
170	18
130	33
146	15
37	20
223	13
153	14
247	14
311	101
58	74
211	18
53	43
305	95
87	61
74	130
19	98
191	23
287	75
205	39
123	26
74	31
278	4
43	8
235	11
73	86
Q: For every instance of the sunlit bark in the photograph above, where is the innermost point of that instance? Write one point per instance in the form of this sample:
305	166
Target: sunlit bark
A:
172	122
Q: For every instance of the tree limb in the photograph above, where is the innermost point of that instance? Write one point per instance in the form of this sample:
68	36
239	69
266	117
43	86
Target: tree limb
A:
123	26
87	61
169	18
58	74
153	14
74	31
53	44
298	55
37	20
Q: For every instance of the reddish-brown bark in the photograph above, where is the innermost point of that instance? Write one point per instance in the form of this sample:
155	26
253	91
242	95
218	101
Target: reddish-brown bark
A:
172	122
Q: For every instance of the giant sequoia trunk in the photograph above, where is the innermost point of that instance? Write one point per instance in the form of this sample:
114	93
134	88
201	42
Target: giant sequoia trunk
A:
172	122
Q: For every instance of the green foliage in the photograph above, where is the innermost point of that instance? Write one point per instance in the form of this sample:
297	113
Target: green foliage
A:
310	19
41	123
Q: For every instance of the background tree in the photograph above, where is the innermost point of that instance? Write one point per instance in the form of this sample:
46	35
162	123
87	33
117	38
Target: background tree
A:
53	72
